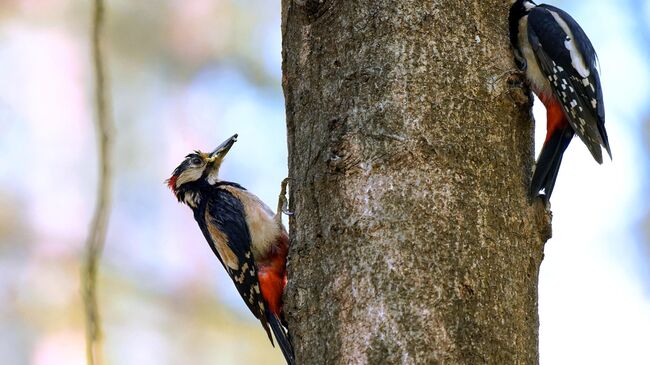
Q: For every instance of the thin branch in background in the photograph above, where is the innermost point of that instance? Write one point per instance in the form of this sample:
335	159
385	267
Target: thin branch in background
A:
97	232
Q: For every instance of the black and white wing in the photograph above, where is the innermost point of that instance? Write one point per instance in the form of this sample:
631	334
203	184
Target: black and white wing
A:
227	233
569	62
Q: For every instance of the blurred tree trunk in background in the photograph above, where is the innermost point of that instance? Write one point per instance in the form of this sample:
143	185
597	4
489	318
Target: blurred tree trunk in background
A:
96	239
413	240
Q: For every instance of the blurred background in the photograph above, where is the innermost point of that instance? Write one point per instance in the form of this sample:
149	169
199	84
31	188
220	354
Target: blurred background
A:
186	74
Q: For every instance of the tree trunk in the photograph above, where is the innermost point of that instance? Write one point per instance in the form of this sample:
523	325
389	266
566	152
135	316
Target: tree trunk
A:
413	240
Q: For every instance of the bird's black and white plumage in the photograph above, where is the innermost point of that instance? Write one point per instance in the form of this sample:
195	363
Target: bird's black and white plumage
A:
561	66
246	236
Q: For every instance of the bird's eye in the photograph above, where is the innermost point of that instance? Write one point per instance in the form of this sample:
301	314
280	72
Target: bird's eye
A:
196	161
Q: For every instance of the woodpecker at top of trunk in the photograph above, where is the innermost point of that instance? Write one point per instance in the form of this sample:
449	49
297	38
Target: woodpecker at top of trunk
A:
561	65
246	236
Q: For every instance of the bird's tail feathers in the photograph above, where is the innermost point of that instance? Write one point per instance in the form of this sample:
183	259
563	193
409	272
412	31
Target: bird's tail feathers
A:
548	163
603	134
282	337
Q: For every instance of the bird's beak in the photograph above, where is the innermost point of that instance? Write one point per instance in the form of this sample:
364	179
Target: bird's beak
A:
220	152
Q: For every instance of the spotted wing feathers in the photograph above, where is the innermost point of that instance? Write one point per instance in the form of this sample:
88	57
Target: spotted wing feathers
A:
226	213
569	63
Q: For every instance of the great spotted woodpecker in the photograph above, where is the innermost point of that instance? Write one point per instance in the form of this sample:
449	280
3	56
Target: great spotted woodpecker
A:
561	65
244	234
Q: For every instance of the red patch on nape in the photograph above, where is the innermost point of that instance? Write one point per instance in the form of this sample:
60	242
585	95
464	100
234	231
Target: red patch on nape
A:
171	182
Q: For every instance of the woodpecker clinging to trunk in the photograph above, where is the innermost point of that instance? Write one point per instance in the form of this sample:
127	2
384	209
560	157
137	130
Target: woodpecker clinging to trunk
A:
561	66
245	235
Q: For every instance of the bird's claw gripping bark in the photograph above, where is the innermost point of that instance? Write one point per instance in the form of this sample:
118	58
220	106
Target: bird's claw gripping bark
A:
283	202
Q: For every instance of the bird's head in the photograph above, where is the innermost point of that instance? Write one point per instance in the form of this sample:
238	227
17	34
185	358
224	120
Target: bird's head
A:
199	169
518	10
522	7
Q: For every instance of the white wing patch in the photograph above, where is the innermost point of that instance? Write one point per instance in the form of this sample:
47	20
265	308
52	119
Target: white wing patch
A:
577	61
261	225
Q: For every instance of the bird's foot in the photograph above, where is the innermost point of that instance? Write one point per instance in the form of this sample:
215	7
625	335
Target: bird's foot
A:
283	201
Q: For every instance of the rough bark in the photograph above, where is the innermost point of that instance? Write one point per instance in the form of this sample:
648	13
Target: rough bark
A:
413	241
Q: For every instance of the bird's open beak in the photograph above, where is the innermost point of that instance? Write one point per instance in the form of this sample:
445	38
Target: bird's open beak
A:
220	152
